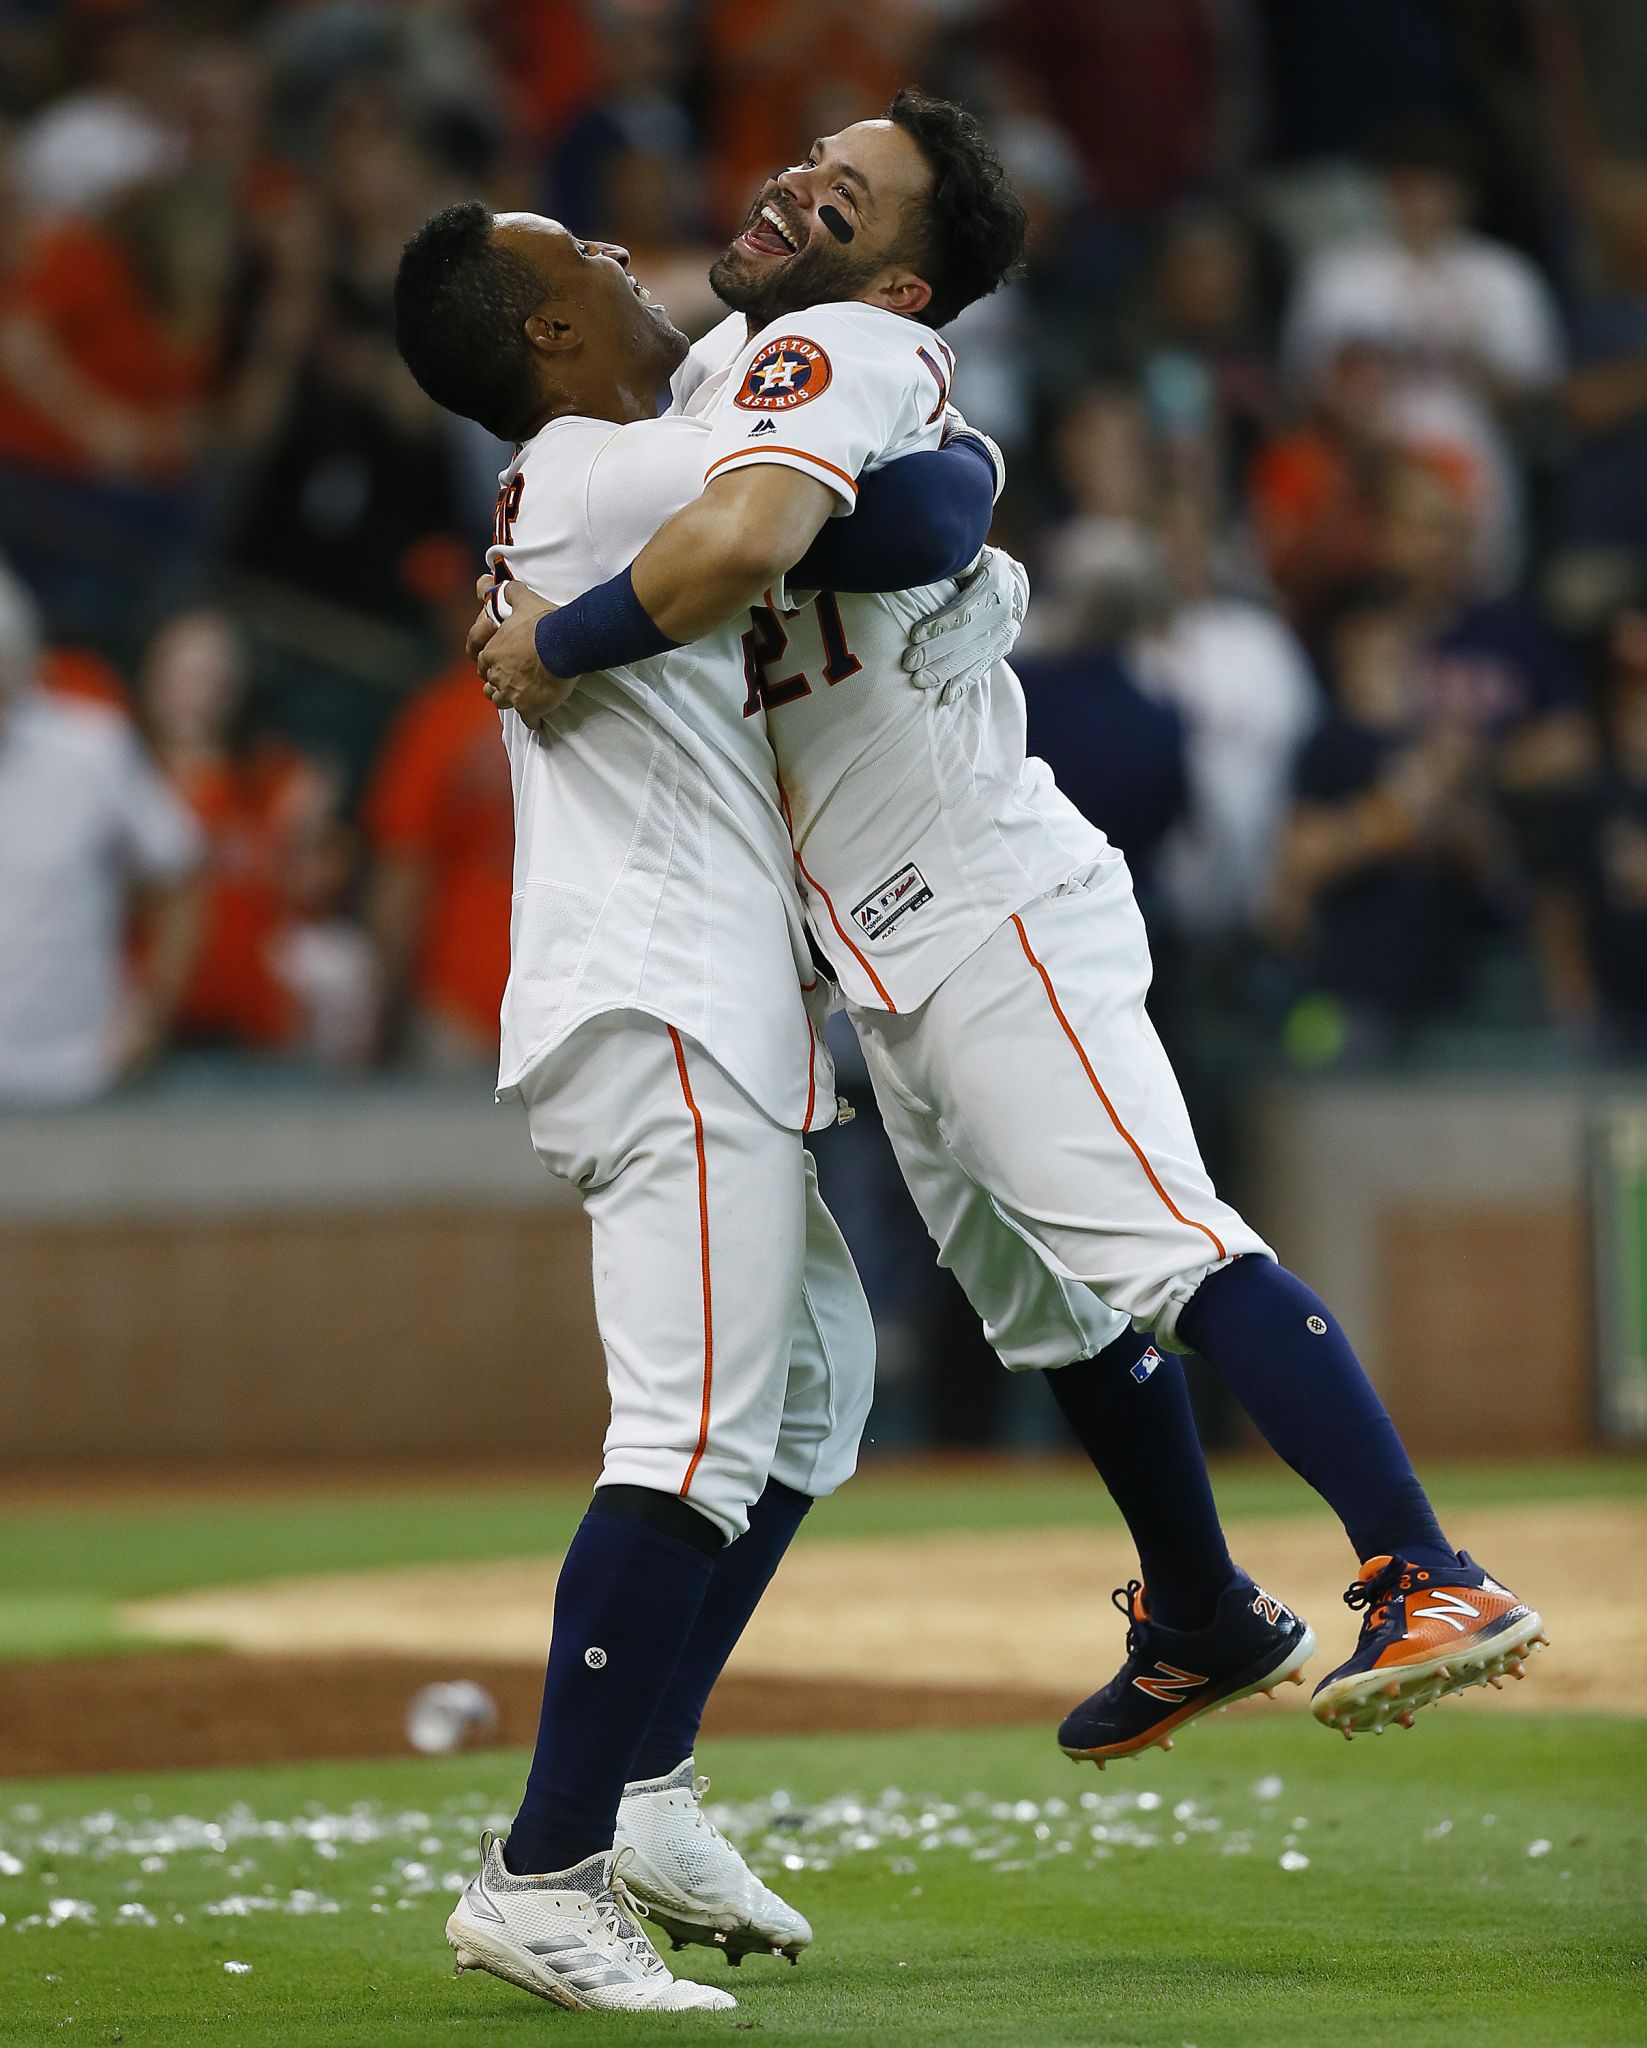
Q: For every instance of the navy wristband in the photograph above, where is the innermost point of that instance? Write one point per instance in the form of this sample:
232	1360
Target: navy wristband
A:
606	627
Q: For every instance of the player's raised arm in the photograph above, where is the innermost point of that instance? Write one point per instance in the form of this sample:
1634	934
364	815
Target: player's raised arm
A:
715	558
847	263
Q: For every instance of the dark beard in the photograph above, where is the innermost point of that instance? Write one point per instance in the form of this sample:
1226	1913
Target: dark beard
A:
817	275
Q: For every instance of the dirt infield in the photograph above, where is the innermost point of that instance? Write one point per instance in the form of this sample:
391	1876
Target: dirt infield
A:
918	1631
197	1709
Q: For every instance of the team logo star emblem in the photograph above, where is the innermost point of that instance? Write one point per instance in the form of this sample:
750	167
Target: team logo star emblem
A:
788	372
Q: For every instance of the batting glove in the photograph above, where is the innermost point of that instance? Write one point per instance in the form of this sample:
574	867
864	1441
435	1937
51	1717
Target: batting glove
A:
956	646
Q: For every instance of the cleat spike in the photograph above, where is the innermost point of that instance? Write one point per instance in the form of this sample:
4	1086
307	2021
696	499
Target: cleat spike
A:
1516	1671
1296	1677
1406	1720
1269	1692
1442	1671
1393	1690
1495	1681
1165	1742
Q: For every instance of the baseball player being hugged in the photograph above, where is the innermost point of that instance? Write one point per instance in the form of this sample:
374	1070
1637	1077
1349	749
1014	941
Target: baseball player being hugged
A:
656	1027
995	967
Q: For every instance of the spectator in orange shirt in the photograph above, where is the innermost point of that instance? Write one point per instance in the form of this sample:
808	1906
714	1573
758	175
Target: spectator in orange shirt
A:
1315	487
277	971
440	821
92	380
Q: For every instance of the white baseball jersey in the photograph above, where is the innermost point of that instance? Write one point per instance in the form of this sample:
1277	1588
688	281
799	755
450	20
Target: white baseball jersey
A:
918	826
653	870
984	931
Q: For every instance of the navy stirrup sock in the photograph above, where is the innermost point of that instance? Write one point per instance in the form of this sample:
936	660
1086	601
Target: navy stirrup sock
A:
1283	1356
1140	1434
629	1594
742	1574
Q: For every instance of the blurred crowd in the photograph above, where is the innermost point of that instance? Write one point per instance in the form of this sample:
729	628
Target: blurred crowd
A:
1324	392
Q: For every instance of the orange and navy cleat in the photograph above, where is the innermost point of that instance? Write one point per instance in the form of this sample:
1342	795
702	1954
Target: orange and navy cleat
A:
1428	1630
1252	1644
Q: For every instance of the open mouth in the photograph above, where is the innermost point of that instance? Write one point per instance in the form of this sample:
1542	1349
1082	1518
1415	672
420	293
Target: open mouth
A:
769	234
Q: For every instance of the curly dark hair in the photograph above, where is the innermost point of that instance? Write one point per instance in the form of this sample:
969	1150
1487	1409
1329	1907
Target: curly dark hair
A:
461	307
972	229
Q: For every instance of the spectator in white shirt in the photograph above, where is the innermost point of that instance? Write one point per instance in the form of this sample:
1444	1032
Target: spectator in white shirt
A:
86	825
1470	325
1240	681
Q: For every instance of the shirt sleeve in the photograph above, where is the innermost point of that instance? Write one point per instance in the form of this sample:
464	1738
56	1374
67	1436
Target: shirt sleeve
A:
831	392
157	833
1521	336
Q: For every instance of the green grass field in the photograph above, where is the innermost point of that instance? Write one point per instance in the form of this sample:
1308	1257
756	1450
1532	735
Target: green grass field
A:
1479	1880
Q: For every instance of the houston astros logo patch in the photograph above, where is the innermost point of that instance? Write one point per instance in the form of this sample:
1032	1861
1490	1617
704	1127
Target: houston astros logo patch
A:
788	372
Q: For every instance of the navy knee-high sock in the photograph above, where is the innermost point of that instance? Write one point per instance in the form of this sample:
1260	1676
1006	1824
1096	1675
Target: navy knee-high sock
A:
1140	1434
742	1573
629	1594
1283	1356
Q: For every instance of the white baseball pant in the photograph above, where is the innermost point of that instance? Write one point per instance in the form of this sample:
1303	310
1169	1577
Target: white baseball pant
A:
1041	1129
739	1345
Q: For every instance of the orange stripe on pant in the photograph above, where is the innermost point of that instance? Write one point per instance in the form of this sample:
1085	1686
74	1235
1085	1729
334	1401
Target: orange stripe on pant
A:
840	930
1189	1222
703	1238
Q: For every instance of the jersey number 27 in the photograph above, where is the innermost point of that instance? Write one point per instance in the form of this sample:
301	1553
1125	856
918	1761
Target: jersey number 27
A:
767	642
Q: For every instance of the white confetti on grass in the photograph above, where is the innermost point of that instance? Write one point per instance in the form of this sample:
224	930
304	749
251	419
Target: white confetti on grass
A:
168	1869
238	1969
1295	1859
1541	1847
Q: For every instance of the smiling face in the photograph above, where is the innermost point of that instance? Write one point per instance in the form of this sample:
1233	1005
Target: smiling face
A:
594	303
786	259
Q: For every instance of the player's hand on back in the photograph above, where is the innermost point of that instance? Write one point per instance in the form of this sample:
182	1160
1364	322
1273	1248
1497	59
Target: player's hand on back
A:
957	645
505	653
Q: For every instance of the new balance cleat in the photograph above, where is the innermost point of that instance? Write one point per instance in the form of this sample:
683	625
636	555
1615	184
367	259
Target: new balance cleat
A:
570	1936
1252	1644
692	1881
1427	1631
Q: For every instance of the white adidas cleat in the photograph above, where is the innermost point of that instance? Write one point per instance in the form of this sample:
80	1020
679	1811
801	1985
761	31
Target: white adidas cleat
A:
692	1881
570	1936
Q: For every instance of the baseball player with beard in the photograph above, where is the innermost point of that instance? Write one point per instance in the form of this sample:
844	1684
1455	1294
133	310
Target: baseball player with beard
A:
995	967
656	1028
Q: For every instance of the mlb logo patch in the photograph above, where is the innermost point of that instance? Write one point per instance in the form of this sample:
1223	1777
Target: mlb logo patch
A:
788	372
879	911
1146	1365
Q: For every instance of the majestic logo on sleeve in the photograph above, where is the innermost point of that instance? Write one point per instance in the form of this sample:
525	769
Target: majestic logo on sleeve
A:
788	372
